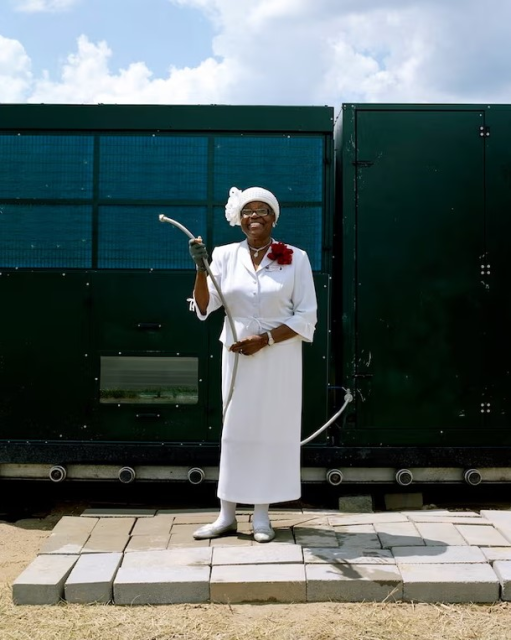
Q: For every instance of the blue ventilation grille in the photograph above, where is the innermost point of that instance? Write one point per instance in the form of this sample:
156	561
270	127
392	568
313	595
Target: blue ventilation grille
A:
52	167
132	237
300	226
290	167
45	236
153	167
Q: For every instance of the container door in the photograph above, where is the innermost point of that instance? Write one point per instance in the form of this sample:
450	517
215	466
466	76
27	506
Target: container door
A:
419	361
497	269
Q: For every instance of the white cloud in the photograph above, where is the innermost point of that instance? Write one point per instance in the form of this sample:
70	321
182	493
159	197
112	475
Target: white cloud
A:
15	71
86	78
303	52
37	6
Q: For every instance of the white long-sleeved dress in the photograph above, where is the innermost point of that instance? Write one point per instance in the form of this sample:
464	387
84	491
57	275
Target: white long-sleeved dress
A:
260	449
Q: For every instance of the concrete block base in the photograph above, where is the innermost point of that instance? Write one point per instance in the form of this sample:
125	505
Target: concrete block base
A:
181	584
503	570
449	583
399	501
43	580
91	579
356	504
258	583
352	583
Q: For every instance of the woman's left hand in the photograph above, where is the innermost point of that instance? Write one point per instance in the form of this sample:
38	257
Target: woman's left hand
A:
249	346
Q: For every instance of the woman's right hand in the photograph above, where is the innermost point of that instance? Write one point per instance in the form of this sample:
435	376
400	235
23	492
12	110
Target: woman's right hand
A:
198	252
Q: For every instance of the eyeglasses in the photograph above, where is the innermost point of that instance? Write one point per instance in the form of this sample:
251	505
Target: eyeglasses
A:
246	213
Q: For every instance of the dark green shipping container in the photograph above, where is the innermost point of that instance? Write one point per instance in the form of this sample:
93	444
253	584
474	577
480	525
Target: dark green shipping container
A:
423	327
101	360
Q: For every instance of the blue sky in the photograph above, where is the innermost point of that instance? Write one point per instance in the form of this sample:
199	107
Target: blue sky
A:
309	52
155	31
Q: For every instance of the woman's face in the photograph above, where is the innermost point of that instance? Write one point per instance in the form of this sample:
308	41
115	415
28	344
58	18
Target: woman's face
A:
257	226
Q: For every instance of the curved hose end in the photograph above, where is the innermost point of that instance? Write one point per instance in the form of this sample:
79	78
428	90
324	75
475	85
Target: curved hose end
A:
161	217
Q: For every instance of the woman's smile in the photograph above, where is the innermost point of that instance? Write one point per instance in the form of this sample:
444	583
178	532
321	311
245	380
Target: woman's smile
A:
258	224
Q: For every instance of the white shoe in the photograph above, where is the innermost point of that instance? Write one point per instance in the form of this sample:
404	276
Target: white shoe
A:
264	533
215	531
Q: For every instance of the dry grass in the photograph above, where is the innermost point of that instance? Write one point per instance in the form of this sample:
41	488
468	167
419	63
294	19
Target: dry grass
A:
327	621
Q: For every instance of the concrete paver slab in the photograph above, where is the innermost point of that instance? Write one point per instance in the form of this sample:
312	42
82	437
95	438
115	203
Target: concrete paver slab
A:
258	554
64	544
186	541
157	526
452	519
240	540
43	580
366	518
105	544
167	559
184	529
92	577
303	521
398	534
439	513
503	570
482	535
433	512
201	518
347	556
180	584
438	555
496	553
501	520
319	512
449	583
352	583
69	525
147	543
212	513
289	514
493	515
119	513
282	536
114	526
439	533
258	583
315	536
363	536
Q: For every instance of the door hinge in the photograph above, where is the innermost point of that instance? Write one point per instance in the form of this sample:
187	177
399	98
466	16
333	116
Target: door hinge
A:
484	131
486	269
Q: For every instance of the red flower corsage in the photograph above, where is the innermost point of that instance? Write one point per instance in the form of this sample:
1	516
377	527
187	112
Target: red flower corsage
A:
281	253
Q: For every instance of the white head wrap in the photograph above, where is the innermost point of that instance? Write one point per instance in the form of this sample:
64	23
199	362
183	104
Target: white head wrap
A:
238	199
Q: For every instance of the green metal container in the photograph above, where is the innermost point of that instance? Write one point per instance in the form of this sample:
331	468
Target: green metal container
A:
101	359
425	193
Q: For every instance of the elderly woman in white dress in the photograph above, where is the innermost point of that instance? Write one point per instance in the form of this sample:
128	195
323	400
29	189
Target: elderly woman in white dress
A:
269	289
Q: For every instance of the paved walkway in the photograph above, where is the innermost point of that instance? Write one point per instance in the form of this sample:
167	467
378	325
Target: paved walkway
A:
134	557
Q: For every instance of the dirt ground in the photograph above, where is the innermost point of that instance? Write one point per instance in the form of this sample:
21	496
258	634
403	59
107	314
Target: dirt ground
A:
19	544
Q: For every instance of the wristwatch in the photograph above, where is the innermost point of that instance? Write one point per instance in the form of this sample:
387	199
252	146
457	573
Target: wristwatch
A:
270	338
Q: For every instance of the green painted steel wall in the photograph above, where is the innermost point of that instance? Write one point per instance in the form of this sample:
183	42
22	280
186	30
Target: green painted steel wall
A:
84	260
426	195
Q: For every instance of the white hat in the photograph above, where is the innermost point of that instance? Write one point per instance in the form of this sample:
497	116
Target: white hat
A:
238	199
